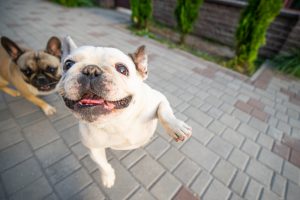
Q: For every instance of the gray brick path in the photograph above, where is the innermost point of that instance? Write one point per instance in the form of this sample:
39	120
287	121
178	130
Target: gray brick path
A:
236	124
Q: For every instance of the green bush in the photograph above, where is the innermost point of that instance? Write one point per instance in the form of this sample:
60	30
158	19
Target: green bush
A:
250	34
141	12
186	13
289	63
75	3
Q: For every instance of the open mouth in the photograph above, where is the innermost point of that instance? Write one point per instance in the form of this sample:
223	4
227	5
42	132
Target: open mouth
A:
90	100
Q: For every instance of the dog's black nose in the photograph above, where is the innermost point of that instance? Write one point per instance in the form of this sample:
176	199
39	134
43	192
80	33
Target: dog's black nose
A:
92	71
42	80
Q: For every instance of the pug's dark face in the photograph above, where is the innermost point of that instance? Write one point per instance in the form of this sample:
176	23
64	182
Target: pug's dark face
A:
38	68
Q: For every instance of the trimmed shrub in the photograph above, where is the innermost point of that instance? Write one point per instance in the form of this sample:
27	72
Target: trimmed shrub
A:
250	35
141	12
75	3
186	13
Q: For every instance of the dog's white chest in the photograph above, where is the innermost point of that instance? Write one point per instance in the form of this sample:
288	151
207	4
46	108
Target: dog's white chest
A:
119	138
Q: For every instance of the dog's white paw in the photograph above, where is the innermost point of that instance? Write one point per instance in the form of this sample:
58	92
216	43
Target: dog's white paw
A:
49	110
108	178
179	130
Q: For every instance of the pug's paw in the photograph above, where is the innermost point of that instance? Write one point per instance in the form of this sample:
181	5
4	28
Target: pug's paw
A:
49	110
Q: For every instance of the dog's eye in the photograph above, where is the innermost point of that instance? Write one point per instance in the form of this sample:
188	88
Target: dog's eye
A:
68	64
27	71
51	69
122	69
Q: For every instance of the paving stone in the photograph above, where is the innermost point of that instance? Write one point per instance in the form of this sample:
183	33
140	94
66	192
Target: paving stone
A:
73	184
171	159
291	172
199	132
243	106
142	194
133	157
215	112
10	137
89	164
230	121
224	172
51	153
160	191
239	159
271	160
211	193
91	192
265	140
65	122
214	101
35	191
284	127
21	175
147	171
22	107
31	118
216	127
267	194
221	147
40	133
196	102
51	197
258	125
157	147
242	116
197	152
248	131
185	193
124	185
8	124
198	116
186	171
275	133
62	169
71	135
227	108
293	191
2	194
14	154
201	183
250	148
279	185
119	154
239	183
80	150
233	137
253	190
260	172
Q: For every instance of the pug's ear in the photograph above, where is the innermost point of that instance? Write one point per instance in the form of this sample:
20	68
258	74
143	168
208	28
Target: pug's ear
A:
54	47
140	60
13	50
68	46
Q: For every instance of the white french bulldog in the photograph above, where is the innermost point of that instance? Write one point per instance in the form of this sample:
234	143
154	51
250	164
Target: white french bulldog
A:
104	89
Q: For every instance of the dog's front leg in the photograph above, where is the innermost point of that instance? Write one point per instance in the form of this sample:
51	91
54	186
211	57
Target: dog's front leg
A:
107	172
174	127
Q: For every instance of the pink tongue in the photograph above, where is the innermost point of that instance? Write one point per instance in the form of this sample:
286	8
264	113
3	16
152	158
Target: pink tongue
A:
92	101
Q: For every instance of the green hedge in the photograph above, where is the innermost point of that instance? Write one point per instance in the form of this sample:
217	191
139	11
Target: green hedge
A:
141	13
75	3
250	34
186	13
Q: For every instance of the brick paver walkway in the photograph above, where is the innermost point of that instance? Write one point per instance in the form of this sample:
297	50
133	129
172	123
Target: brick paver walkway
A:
245	142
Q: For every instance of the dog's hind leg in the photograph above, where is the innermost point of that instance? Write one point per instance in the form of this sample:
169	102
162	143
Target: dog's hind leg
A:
107	172
176	128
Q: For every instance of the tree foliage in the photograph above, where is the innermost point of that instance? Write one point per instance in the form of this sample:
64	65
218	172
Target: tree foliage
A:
186	13
251	32
141	12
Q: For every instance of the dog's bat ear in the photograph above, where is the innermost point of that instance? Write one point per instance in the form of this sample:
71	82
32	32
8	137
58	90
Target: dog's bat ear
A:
13	50
54	47
140	60
68	46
